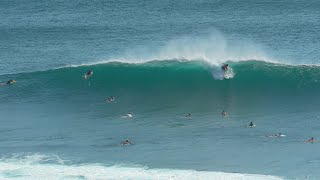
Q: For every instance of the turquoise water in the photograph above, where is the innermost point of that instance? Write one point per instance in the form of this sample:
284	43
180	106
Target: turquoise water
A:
161	61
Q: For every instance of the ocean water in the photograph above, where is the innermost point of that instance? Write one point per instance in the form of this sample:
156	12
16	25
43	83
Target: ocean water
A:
161	60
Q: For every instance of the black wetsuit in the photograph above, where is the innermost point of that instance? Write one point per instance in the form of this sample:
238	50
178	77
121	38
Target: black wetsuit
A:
10	82
224	67
89	73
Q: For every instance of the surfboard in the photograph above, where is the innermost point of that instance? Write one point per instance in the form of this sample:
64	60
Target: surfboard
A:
88	76
228	74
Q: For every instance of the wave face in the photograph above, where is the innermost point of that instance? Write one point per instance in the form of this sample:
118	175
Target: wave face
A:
175	83
38	166
171	77
159	94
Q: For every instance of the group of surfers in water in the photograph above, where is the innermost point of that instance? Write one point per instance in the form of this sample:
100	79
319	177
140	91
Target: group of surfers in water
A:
224	67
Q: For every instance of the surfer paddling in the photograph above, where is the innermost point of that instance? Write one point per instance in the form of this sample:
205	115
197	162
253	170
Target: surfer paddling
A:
311	140
110	99
11	81
277	135
224	113
251	125
88	74
129	115
126	142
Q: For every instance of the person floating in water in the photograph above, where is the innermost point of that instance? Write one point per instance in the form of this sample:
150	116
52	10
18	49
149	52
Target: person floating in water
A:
311	140
225	67
224	113
126	142
111	99
88	74
251	125
188	116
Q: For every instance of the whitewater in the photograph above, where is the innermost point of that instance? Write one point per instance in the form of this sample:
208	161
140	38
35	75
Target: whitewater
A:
160	61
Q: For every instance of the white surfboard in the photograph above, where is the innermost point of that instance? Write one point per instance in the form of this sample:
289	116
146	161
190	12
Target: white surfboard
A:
228	74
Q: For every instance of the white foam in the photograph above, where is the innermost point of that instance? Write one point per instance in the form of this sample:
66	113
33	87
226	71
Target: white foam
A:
42	167
219	74
211	46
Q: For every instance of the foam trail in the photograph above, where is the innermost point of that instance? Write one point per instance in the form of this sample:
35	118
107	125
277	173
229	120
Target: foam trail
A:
37	167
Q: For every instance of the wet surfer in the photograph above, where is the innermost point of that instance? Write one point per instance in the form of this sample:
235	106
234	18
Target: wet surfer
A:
225	67
224	113
88	74
252	125
277	135
111	99
128	115
11	81
311	140
188	116
126	142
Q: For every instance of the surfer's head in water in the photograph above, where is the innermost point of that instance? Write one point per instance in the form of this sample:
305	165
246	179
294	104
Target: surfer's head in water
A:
224	67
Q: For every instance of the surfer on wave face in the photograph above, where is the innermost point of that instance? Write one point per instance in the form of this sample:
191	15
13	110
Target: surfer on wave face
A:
88	74
225	67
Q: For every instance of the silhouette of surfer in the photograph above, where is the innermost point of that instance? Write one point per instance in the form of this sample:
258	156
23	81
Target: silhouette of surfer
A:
251	125
11	81
225	67
88	74
126	142
224	113
311	140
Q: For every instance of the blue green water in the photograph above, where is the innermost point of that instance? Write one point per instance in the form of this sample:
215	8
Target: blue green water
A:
161	61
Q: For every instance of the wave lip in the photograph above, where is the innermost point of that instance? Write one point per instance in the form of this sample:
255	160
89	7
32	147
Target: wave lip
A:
38	166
